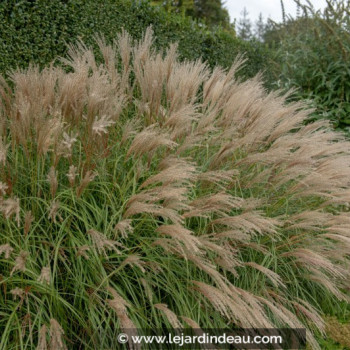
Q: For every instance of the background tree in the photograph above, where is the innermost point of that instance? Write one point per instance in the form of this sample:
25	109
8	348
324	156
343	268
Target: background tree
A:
283	12
212	12
244	27
259	29
185	7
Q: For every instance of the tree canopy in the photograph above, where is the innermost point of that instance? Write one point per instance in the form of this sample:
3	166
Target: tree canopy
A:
212	12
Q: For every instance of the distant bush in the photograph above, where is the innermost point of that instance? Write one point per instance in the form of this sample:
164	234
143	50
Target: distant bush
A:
37	31
313	55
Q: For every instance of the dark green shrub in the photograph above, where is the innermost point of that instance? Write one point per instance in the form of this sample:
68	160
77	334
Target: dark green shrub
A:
37	31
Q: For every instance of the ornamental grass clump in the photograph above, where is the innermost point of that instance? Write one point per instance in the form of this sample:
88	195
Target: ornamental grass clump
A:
145	192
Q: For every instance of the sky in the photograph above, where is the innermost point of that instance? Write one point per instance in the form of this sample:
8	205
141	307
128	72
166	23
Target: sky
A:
268	8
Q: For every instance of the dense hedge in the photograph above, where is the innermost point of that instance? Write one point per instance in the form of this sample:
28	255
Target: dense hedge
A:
37	31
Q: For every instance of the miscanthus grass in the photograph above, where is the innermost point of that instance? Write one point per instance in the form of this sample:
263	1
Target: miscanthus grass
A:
145	192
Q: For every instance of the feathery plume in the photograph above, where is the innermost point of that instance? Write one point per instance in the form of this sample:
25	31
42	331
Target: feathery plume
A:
211	270
190	322
100	126
134	260
45	275
273	276
312	259
103	244
65	147
28	219
218	177
198	332
52	179
9	207
181	235
309	312
17	293
53	211
170	315
82	251
250	223
89	176
42	342
20	262
47	133
124	227
147	288
3	151
3	188
137	207
218	203
6	249
56	336
72	173
181	173
148	140
129	129
221	302
120	305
